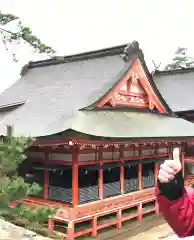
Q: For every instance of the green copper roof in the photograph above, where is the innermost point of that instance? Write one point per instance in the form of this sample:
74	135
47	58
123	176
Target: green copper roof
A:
117	124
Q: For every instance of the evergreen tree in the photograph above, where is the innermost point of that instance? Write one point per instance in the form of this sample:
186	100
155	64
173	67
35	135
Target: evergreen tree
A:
180	60
22	33
13	187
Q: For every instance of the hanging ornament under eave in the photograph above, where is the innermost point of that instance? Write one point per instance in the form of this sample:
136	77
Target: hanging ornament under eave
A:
82	147
93	146
70	143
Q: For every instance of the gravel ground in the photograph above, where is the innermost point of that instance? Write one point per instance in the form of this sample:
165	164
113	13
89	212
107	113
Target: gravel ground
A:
163	232
152	227
9	231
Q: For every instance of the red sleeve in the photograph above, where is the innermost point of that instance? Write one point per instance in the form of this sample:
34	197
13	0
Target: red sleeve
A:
178	213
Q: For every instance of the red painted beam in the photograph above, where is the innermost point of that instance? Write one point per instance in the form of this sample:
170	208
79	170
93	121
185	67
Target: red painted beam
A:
58	142
44	143
57	162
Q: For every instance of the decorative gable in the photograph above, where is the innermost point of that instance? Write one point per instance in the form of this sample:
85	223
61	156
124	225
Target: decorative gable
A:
134	91
131	93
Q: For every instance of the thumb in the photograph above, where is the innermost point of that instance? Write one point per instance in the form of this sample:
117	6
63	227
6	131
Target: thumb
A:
176	156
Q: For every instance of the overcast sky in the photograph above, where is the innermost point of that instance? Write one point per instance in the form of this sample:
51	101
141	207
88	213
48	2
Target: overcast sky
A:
74	26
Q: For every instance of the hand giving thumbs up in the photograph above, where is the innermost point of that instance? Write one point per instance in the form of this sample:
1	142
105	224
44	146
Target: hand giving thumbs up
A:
170	168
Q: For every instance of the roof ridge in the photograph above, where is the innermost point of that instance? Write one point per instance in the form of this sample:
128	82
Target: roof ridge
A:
127	50
80	56
11	105
174	71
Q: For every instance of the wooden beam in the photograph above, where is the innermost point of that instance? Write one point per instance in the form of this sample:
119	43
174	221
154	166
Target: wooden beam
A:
135	72
108	95
76	141
128	148
55	162
75	185
49	143
131	158
149	89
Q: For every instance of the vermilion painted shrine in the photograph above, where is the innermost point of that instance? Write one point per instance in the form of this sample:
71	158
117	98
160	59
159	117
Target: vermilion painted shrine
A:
103	125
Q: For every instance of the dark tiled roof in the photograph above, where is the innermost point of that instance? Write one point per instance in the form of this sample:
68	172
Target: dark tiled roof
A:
53	90
177	88
36	75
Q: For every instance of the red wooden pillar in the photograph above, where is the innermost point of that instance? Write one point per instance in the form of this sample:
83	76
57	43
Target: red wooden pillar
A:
140	176
122	179
46	177
75	185
119	218
94	226
50	225
71	231
156	170
100	184
100	174
122	171
140	212
183	163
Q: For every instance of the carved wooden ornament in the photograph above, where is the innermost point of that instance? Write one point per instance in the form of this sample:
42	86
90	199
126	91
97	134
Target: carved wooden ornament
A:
134	90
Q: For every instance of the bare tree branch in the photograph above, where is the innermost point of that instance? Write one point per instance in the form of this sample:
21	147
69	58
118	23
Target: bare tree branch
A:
23	33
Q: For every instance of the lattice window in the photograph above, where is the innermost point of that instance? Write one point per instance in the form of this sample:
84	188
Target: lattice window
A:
88	184
130	178
111	182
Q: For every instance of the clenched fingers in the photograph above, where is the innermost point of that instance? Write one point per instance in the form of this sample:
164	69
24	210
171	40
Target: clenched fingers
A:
162	179
167	172
168	169
173	165
166	175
